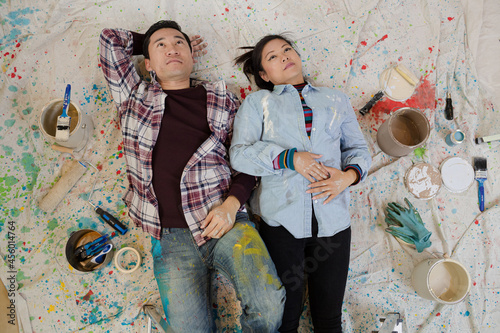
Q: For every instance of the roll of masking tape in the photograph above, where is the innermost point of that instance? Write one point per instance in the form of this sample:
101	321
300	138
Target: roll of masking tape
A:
127	260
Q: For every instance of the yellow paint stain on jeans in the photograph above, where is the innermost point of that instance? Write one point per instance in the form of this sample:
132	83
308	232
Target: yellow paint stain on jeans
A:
253	251
250	244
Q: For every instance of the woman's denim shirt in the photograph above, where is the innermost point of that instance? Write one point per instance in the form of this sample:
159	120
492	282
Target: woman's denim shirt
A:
268	123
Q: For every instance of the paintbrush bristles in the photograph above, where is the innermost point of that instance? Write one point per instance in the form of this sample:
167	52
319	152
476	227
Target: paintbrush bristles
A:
62	129
480	167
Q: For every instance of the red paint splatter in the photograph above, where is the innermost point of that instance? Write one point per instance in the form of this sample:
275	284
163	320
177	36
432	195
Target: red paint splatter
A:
249	7
476	222
474	283
350	62
438	314
383	38
87	297
99	167
360	192
249	88
110	272
363	43
364	67
450	18
118	172
120	155
422	98
430	49
227	9
102	132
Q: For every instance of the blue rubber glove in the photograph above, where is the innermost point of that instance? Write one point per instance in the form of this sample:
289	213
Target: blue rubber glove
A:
407	225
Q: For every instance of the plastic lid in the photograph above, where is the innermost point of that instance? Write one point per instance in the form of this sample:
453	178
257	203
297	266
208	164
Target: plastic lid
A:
457	174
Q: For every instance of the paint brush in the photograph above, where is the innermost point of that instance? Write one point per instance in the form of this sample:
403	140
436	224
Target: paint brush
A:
448	109
487	139
480	169
63	121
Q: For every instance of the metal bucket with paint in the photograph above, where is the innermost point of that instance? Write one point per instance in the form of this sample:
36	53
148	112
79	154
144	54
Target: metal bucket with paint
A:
443	280
79	238
81	125
406	129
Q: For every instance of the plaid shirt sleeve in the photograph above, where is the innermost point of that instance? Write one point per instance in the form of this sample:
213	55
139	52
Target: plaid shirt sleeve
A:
116	49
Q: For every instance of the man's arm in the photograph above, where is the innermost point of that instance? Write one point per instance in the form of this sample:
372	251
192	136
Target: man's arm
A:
116	51
221	218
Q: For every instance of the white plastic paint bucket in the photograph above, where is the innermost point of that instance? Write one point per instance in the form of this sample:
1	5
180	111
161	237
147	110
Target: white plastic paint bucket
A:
443	280
406	129
81	125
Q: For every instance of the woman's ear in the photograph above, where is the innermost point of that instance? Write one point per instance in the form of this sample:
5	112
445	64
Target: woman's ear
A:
264	76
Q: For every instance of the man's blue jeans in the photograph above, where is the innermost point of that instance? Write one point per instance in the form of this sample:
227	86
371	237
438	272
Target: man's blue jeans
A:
183	272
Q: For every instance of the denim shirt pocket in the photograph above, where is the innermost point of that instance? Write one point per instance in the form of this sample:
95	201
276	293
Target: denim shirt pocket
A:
332	122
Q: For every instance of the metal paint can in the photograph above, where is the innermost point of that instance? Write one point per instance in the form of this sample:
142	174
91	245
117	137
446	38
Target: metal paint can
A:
81	125
406	129
79	238
455	138
423	181
457	174
443	280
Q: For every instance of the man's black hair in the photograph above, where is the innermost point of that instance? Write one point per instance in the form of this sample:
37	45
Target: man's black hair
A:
161	25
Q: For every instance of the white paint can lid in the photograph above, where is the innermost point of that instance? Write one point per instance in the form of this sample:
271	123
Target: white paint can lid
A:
457	174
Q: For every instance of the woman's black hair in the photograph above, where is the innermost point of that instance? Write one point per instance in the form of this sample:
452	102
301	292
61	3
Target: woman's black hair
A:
252	60
161	25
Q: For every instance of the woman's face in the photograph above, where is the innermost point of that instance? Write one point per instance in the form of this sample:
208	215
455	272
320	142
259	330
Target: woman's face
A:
281	64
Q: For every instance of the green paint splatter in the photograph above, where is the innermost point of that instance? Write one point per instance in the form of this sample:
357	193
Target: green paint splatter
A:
8	150
14	212
420	152
13	88
20	276
27	111
9	122
9	180
52	224
31	169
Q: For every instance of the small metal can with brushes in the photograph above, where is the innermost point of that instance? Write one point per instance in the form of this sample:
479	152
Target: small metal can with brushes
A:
481	173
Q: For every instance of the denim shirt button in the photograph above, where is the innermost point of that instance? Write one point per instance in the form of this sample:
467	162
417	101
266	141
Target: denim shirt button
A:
315	201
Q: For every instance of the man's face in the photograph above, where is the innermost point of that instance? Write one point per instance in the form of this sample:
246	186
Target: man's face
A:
169	56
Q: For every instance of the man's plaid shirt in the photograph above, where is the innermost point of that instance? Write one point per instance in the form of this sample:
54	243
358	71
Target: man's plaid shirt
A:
206	177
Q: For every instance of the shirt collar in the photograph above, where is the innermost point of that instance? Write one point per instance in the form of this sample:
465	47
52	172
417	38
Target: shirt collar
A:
281	88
